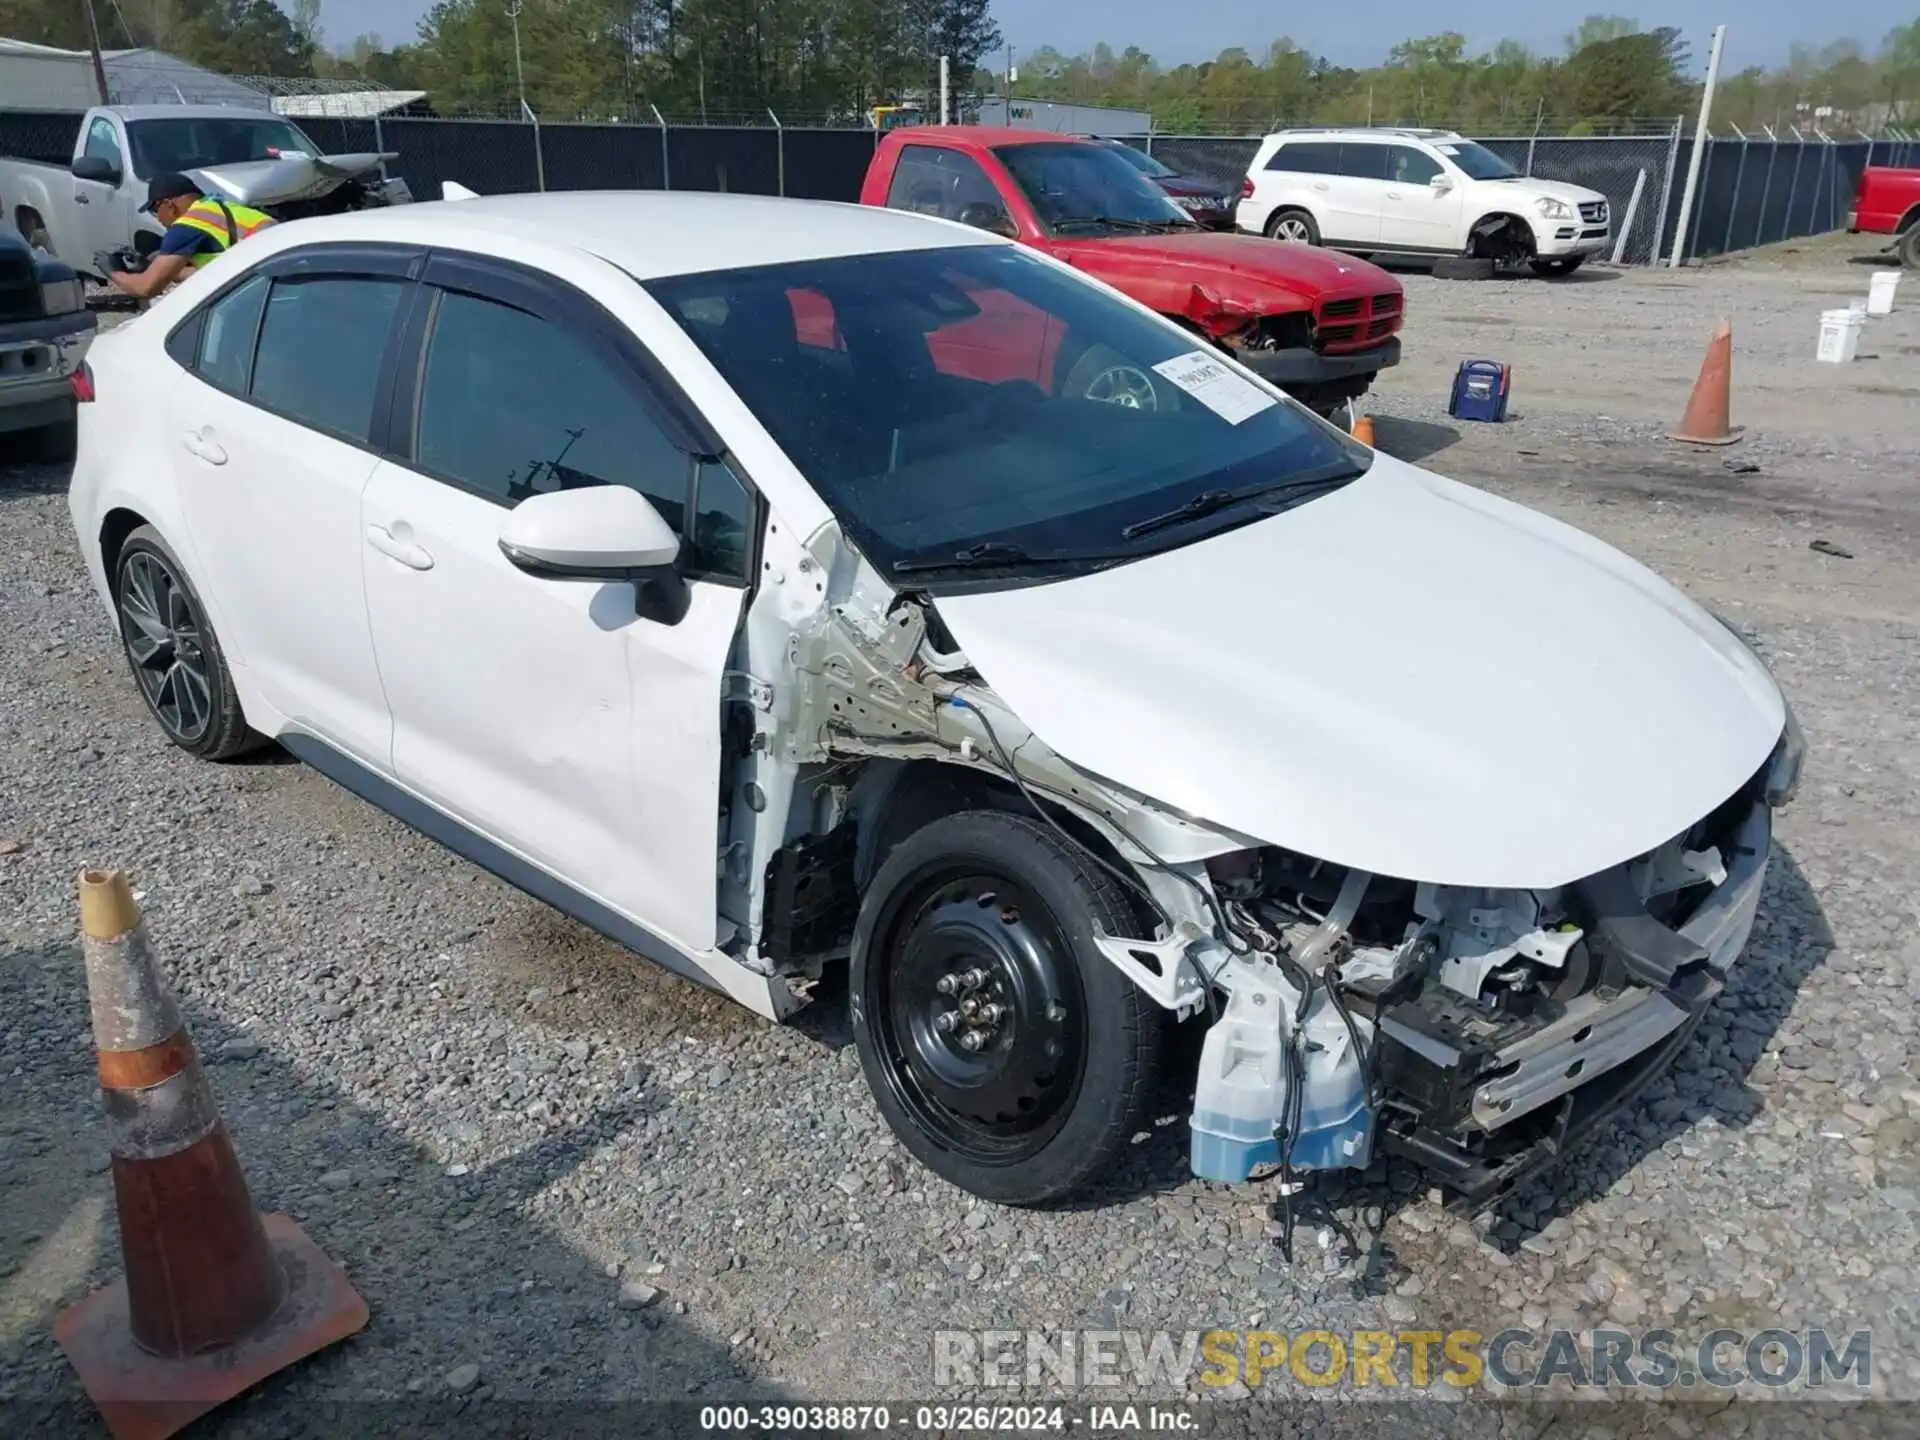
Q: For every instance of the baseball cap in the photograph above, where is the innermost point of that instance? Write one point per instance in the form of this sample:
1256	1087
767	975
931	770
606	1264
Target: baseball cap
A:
170	186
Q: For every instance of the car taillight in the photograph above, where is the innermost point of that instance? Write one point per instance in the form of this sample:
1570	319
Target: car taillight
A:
82	382
1246	188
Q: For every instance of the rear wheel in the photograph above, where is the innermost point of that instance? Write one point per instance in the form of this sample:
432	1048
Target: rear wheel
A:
1006	1052
1296	226
175	656
1910	247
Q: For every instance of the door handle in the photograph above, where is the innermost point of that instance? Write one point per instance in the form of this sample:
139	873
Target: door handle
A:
1320	185
1393	194
413	556
200	443
80	198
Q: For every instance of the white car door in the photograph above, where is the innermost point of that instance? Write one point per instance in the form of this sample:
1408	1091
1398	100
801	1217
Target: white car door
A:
101	207
271	449
545	713
1357	195
1417	216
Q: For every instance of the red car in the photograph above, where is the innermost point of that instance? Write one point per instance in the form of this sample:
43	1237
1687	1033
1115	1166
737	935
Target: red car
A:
1888	203
1317	324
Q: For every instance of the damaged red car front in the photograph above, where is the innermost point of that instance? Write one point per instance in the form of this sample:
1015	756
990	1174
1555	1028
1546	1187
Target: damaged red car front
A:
1319	325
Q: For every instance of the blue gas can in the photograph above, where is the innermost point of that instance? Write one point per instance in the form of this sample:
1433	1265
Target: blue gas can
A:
1480	391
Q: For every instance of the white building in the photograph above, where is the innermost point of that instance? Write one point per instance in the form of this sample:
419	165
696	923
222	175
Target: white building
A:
39	77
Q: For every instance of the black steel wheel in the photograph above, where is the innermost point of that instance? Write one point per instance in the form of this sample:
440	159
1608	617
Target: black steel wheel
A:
1006	1052
175	657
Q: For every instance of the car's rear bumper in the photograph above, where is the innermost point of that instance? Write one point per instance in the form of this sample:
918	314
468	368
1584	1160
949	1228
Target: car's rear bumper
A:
1287	368
36	359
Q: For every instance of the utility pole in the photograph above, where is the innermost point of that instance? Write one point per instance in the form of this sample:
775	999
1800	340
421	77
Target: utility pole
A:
99	61
519	71
946	89
1699	149
1009	86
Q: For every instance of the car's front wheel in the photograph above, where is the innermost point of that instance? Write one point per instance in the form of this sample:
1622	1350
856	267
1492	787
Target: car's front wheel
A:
175	656
1006	1052
1910	246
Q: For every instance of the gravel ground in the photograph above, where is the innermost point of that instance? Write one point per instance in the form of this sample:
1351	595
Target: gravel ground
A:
557	1174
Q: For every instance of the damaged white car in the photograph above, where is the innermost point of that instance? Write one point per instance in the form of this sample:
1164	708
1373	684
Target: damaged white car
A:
743	578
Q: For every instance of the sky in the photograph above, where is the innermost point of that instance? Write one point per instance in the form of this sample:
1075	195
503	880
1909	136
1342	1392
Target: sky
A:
1759	31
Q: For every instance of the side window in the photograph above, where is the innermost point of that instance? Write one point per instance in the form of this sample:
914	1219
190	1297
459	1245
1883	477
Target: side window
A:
226	344
321	342
512	406
1362	161
1408	166
102	143
1307	157
723	523
931	180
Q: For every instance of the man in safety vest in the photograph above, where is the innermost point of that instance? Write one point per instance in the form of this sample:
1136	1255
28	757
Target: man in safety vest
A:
200	229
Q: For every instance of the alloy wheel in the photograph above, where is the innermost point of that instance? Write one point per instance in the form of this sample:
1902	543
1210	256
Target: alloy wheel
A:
1293	229
163	640
1124	385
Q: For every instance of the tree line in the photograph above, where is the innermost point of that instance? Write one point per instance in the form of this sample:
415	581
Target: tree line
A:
814	61
1610	75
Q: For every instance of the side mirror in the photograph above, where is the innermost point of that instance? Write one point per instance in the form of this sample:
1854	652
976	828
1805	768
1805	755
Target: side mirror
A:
96	167
985	215
1441	183
598	532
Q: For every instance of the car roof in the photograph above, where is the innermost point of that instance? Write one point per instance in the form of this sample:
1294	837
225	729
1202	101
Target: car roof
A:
1364	132
648	233
984	135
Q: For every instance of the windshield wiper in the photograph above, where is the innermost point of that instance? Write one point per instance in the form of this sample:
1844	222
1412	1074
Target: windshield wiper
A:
1114	222
1002	552
1292	491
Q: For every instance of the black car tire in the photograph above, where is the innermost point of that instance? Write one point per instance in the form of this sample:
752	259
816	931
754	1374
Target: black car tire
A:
198	710
1293	218
1557	268
1074	1062
1910	247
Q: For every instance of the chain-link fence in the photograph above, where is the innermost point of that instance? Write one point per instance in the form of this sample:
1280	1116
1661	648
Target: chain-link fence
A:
1752	191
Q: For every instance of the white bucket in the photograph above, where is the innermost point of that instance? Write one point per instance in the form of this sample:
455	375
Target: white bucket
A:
1839	335
1880	291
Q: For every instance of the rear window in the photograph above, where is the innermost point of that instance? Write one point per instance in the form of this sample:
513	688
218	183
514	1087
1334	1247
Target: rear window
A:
320	349
1307	157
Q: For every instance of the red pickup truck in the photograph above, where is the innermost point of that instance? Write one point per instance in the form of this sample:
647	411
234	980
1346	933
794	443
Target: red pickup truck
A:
1888	203
1317	324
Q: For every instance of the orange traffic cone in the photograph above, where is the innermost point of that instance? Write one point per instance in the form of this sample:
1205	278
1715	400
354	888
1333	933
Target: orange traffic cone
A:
1709	407
216	1296
1362	429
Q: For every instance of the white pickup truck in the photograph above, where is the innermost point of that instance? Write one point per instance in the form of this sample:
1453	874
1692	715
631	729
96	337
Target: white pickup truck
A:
250	157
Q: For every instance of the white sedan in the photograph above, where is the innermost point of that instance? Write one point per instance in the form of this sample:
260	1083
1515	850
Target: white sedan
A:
735	575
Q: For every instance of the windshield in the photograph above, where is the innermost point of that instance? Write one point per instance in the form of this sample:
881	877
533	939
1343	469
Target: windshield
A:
1479	162
1074	187
191	143
1142	161
978	399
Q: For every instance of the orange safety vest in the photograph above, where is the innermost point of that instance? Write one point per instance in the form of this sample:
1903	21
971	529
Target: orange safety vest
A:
227	224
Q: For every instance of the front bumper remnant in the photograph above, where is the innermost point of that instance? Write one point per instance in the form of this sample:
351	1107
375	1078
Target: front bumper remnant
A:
1604	1052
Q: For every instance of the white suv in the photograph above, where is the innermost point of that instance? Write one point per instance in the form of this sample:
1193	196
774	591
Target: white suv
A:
1417	192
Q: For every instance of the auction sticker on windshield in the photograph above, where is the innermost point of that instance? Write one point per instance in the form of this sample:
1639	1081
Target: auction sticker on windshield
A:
1228	395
